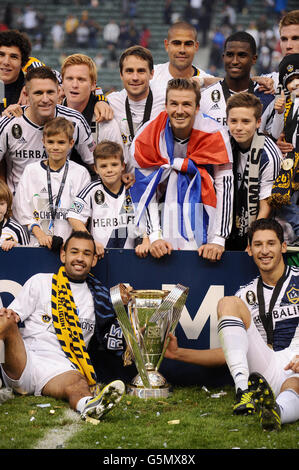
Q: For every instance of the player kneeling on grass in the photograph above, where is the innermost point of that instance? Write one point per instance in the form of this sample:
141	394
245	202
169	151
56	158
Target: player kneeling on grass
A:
11	233
48	354
107	204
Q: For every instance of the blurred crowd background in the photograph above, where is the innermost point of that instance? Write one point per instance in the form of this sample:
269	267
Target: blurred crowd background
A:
102	29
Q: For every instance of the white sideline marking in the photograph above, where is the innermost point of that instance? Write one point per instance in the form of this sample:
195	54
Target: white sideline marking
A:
59	435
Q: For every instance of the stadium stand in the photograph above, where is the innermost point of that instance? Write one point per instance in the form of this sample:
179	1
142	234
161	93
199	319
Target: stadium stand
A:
147	13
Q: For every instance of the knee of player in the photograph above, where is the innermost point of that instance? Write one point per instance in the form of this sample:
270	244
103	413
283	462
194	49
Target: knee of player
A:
75	384
292	383
229	305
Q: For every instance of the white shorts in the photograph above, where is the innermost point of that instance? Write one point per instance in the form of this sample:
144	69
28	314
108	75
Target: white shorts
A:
41	367
267	362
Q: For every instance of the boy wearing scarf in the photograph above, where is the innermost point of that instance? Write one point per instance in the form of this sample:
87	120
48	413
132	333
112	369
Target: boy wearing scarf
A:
256	165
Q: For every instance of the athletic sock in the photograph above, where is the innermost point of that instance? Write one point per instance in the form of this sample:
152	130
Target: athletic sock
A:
81	403
288	401
234	342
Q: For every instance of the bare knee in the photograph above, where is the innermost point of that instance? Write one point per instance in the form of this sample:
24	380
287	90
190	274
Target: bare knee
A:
291	383
233	306
67	385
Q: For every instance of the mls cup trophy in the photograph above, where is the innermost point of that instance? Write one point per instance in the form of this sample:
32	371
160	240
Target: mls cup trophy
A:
150	316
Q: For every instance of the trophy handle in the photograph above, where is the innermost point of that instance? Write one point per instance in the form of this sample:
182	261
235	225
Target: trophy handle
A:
176	300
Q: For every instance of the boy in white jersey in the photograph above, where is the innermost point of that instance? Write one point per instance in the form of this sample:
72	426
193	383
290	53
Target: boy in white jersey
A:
11	233
46	351
255	343
256	165
107	205
47	188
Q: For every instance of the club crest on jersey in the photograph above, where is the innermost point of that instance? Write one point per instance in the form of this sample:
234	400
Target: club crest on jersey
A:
124	138
215	95
293	295
127	205
77	207
46	318
99	197
16	131
290	68
250	297
36	215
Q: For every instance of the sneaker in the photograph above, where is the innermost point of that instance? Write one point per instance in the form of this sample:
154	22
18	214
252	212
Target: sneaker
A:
267	408
244	403
105	400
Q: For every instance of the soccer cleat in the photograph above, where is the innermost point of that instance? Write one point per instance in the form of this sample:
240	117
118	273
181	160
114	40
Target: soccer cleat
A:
244	403
105	400
267	408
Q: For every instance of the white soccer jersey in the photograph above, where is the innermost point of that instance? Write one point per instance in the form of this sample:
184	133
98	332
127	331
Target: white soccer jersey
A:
285	314
21	142
31	202
162	76
33	305
111	216
13	231
117	102
269	168
213	104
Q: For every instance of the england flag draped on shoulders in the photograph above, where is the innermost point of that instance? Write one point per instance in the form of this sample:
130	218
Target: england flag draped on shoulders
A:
193	178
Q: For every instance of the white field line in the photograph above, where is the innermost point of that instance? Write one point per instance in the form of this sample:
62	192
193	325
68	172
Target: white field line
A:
59	435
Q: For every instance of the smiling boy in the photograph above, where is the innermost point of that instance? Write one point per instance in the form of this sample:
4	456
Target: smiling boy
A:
256	165
108	205
46	188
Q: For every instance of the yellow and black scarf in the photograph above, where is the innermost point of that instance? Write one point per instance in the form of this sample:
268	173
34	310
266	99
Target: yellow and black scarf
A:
67	326
286	182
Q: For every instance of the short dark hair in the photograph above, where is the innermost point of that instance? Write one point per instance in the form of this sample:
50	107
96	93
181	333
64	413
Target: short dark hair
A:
137	51
106	149
59	125
242	36
184	84
243	99
43	73
11	38
81	235
265	224
182	25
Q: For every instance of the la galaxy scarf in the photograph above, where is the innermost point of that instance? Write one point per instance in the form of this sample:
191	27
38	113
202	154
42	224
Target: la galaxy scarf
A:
287	180
246	204
67	326
191	187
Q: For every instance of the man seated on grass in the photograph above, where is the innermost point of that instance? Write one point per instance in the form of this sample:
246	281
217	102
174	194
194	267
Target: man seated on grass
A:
254	342
57	315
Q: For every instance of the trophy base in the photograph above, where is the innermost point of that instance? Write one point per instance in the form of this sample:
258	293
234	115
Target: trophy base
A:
159	386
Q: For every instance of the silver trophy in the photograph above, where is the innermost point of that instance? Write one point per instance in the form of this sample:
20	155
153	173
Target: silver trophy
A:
150	316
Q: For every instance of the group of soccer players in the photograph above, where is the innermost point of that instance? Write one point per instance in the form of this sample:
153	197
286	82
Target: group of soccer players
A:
178	159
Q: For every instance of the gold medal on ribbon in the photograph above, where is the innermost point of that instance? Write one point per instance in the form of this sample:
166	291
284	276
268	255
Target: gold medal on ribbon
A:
287	164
